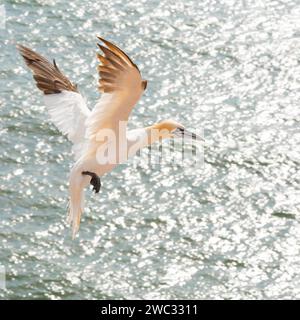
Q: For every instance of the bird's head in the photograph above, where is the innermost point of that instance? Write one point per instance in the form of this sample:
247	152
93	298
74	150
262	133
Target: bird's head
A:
173	129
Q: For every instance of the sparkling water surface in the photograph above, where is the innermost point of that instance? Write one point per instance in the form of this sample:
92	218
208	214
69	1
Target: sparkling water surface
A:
227	230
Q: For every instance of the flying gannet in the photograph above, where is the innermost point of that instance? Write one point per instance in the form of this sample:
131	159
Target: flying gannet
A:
121	85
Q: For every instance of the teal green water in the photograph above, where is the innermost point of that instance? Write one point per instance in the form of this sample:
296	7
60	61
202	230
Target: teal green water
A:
230	229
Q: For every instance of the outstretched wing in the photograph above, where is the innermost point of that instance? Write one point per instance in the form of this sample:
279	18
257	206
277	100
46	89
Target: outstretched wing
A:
121	85
68	111
48	77
66	106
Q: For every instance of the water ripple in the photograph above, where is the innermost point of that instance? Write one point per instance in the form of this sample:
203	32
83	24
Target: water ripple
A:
228	230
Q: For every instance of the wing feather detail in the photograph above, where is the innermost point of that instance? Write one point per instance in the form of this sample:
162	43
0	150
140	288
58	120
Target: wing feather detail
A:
121	85
48	77
65	105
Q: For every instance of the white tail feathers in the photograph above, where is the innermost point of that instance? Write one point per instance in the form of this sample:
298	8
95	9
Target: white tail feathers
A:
76	203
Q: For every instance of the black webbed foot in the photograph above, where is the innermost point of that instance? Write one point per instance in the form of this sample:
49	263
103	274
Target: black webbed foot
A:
95	181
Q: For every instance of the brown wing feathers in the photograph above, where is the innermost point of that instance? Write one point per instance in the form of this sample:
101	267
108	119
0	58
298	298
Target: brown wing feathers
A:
48	77
118	51
112	65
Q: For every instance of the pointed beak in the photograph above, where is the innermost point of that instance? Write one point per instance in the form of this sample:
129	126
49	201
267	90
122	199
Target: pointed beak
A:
184	133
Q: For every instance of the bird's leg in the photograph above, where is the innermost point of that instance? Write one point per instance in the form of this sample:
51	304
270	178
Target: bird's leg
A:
95	181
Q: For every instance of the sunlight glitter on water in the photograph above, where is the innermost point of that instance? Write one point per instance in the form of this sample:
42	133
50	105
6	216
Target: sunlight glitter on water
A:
229	229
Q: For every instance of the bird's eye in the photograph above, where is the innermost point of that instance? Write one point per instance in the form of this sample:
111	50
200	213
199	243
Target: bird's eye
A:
179	132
